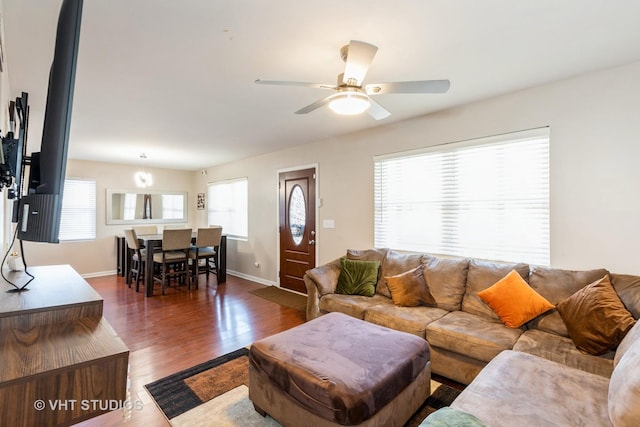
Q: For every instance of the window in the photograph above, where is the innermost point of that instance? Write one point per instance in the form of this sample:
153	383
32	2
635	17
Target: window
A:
228	207
129	210
485	198
78	218
172	206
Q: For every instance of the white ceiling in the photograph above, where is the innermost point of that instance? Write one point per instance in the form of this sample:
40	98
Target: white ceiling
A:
175	79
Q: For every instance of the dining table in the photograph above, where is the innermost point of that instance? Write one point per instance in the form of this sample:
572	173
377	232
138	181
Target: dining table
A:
152	241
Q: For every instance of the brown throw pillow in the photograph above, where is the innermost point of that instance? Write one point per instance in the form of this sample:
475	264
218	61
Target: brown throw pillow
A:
595	317
409	289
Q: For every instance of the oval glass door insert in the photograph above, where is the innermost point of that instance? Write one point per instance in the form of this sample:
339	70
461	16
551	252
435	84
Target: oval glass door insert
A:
297	214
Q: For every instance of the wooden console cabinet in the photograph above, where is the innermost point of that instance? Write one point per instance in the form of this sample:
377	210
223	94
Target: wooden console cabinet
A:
60	360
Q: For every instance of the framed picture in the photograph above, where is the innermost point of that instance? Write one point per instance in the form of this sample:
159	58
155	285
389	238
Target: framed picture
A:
200	201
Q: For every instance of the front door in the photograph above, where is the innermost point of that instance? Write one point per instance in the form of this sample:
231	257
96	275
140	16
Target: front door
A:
297	227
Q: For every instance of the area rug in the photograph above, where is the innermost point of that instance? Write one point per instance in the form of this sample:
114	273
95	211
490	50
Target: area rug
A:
282	297
216	393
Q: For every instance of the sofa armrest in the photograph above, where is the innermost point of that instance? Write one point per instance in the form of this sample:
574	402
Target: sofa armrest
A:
320	281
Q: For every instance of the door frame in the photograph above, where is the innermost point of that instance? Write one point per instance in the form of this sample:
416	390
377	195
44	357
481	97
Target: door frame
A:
277	192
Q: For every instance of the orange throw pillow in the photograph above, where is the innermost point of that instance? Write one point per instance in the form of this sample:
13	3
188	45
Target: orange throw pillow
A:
514	301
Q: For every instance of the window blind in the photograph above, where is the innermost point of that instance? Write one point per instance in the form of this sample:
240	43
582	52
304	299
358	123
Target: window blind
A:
129	206
228	207
78	216
485	198
172	206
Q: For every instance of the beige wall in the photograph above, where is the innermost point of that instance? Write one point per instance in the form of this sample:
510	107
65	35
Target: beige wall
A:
595	180
99	256
595	144
5	97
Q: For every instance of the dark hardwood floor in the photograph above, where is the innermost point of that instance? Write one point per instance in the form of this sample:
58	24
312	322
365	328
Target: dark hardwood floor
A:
183	328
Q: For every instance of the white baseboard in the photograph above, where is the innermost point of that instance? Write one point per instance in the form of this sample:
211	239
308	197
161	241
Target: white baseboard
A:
252	278
99	274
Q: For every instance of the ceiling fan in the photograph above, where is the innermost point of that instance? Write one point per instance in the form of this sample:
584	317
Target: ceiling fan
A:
352	97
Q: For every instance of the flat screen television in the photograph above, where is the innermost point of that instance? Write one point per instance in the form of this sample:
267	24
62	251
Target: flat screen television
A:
39	209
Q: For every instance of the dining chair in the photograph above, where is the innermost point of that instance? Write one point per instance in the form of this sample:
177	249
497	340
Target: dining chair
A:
145	229
205	249
138	256
173	260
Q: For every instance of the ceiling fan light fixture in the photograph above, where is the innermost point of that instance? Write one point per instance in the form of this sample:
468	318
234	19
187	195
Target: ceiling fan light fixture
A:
349	103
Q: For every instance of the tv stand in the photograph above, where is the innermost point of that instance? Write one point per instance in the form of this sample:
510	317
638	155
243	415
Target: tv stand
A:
58	354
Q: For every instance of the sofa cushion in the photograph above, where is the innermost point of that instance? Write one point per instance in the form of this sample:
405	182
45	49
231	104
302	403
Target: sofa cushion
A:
550	322
413	320
624	389
353	305
409	289
370	255
447	280
393	264
563	350
325	276
632	336
519	389
483	274
595	317
472	335
555	285
513	300
628	289
358	277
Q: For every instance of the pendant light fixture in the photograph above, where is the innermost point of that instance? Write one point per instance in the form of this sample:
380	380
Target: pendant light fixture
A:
142	178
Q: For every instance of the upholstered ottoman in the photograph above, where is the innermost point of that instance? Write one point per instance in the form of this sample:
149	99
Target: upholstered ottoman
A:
339	370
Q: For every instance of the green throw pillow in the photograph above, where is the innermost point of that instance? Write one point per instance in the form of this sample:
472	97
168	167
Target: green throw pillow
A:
357	277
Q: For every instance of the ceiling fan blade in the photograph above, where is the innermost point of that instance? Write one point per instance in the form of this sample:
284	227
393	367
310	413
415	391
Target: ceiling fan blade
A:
377	111
309	108
419	86
288	83
359	58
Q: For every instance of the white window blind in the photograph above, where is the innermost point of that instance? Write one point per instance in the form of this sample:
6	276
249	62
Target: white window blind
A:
172	206
78	217
228	207
486	198
129	206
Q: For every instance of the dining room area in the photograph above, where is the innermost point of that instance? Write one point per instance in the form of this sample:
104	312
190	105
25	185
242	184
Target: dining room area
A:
172	258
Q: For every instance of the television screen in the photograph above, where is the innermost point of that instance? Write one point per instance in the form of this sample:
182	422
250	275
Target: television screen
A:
39	210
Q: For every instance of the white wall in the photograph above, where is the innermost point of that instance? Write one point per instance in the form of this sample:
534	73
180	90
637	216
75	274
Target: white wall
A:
595	178
5	97
99	256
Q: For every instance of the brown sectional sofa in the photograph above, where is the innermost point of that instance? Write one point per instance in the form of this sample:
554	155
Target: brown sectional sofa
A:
521	389
464	333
